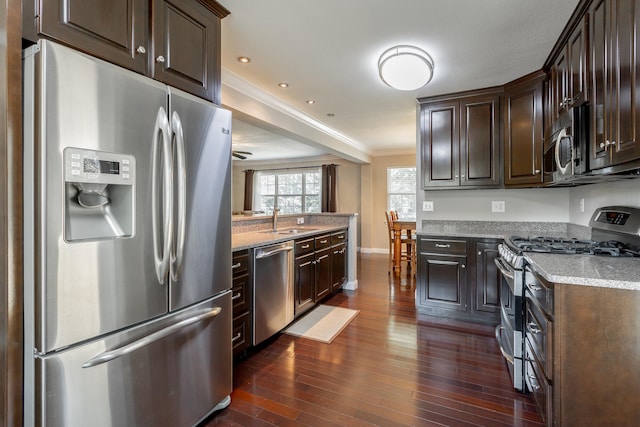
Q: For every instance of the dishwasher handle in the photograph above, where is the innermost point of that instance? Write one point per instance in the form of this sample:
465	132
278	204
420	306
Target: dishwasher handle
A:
266	254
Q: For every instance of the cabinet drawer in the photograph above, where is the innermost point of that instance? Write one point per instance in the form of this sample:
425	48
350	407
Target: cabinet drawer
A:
539	290
540	388
337	238
240	263
539	334
443	246
241	333
322	242
240	294
304	246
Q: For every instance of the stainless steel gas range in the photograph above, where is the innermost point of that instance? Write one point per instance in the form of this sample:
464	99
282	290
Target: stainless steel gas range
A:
615	231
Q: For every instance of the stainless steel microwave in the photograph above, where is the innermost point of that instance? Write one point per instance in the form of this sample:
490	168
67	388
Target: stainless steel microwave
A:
568	146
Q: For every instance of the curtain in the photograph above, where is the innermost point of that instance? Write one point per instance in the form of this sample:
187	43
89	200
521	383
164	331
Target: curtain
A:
329	197
248	189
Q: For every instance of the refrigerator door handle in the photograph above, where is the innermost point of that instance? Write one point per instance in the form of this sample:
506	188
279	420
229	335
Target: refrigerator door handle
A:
162	250
151	338
176	259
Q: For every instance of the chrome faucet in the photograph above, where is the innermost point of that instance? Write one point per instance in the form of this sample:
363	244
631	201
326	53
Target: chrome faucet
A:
275	219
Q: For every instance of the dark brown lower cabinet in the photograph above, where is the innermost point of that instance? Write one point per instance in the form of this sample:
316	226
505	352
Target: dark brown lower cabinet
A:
486	289
304	277
453	282
323	273
338	266
241	300
582	365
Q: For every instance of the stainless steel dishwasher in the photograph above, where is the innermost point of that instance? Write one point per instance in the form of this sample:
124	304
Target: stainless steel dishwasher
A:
273	298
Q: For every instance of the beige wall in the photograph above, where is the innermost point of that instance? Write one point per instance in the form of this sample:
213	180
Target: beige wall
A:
348	178
375	235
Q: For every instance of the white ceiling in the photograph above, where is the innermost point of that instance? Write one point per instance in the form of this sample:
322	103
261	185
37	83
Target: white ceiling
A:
328	51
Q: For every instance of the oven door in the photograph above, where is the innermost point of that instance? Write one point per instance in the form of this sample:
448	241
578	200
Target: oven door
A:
509	331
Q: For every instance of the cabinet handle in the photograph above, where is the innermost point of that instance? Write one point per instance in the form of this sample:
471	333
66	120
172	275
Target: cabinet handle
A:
537	171
534	383
234	266
141	50
533	328
534	287
160	58
237	337
456	176
462	176
314	262
479	253
305	246
323	241
235	297
463	266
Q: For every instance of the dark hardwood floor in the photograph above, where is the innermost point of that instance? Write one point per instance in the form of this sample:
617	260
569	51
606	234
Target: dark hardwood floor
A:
389	367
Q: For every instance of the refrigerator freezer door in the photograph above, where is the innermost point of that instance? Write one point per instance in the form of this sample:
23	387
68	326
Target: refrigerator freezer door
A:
173	380
202	164
89	287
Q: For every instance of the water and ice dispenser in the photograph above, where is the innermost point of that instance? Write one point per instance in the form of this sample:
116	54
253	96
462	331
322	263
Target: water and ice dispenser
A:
99	194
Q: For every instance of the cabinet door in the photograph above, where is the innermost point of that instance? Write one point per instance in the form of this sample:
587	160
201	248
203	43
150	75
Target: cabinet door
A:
601	109
304	281
577	65
113	30
338	266
523	131
615	107
323	273
186	44
559	84
440	144
443	281
480	142
626	144
488	278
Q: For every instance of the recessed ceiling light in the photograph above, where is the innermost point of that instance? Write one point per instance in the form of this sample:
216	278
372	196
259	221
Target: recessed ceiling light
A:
311	101
330	115
283	85
244	59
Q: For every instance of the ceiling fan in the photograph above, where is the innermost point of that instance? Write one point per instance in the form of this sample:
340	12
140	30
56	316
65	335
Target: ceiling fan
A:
240	154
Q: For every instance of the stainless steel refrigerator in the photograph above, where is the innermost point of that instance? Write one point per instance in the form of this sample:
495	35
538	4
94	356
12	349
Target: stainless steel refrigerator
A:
127	247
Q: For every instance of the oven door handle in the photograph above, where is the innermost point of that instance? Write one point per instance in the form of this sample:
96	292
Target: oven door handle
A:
499	329
503	268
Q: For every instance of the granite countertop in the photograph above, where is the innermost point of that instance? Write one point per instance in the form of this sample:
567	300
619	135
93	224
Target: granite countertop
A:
588	270
252	239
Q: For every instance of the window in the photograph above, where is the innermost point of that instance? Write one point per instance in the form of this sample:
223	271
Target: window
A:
401	191
293	191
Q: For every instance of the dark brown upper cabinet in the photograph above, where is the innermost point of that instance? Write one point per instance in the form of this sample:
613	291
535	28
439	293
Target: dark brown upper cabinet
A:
615	78
460	141
174	41
523	131
568	73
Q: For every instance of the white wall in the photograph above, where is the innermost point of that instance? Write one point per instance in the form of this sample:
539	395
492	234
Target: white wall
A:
626	193
533	204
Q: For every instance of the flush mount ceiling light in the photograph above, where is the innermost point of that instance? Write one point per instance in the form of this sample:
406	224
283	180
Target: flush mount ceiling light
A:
405	67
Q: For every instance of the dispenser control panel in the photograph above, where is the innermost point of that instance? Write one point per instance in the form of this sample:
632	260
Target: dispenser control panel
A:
99	167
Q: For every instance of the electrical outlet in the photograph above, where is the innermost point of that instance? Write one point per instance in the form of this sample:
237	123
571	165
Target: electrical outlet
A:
497	206
581	205
427	206
300	221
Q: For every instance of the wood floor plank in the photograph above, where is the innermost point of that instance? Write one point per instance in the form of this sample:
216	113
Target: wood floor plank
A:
389	367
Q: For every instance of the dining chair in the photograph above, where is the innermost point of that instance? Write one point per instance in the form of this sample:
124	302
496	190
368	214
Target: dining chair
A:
407	244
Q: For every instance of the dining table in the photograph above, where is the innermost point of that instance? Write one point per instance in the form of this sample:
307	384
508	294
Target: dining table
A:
400	226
